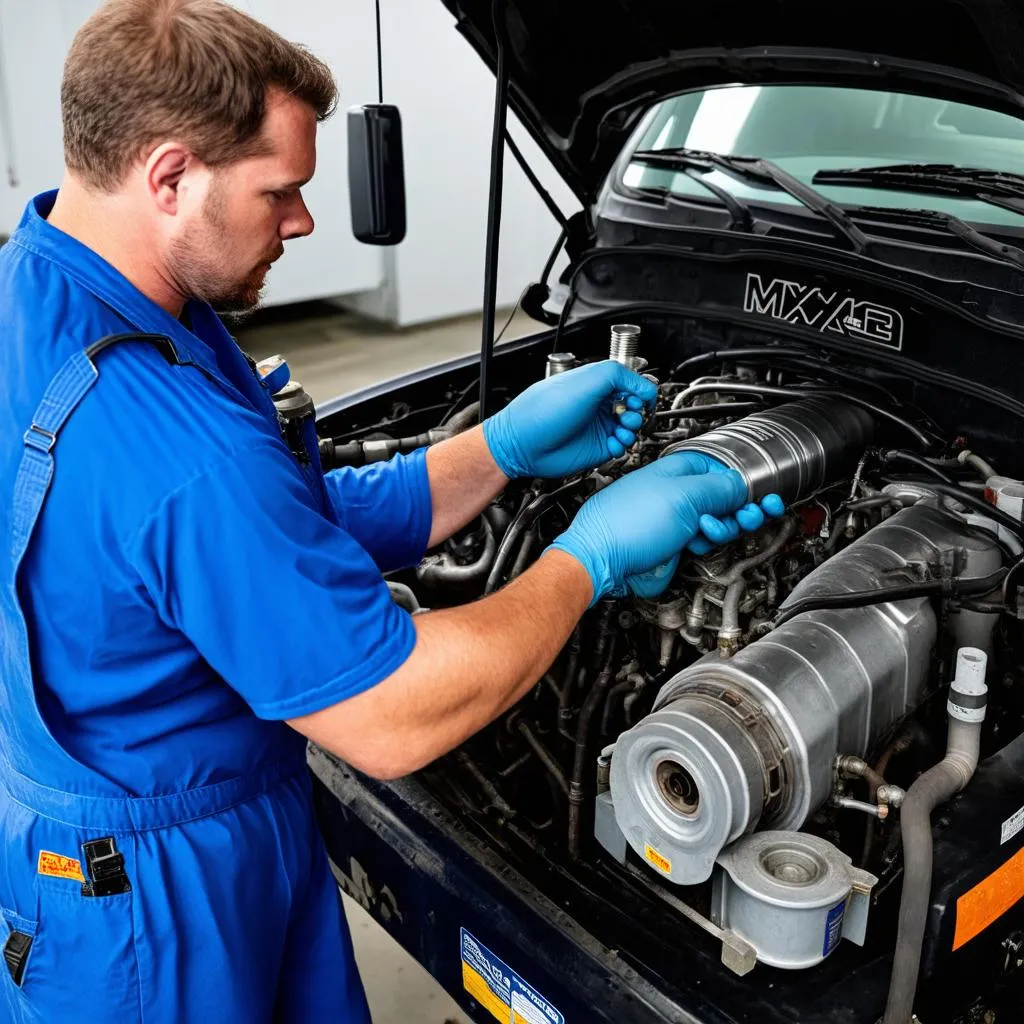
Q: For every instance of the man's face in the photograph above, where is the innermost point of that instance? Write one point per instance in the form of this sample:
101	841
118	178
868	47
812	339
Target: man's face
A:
234	219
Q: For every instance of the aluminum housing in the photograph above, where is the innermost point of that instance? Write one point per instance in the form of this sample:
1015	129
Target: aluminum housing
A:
734	744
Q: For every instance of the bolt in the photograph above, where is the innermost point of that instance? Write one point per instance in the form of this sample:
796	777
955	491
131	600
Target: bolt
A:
625	339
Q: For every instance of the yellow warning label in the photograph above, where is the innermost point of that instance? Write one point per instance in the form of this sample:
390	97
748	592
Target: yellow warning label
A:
989	899
475	985
60	867
660	862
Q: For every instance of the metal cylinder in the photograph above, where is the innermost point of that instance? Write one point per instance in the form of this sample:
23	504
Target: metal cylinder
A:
792	450
792	896
559	362
624	343
733	745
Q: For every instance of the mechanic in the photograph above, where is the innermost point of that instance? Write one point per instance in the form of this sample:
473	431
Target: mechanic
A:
181	607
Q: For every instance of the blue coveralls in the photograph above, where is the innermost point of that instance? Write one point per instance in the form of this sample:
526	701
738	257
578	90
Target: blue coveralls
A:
173	585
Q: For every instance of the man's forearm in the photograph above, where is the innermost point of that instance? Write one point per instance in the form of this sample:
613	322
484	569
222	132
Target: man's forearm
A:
469	665
463	479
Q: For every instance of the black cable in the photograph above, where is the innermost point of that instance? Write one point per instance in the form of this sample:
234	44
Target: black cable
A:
553	255
979	504
719	355
525	518
494	210
535	182
898	455
380	59
511	316
563	316
794	394
864	598
700	412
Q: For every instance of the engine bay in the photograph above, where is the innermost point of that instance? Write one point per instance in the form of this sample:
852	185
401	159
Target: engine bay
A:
739	749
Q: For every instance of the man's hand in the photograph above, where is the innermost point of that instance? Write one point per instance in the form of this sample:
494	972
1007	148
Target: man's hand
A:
631	533
567	424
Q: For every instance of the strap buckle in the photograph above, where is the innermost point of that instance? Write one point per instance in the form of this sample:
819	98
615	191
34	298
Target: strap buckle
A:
105	868
39	438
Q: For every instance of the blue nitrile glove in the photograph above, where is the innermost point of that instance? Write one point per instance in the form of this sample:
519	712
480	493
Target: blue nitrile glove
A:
640	523
566	424
631	533
717	530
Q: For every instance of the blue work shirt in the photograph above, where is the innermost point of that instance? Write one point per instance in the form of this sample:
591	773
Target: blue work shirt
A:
185	590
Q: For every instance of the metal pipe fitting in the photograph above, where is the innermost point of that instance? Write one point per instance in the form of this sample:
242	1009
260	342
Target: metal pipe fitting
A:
624	343
880	811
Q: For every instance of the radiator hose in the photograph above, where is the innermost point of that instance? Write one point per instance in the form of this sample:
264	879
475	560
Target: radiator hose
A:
966	708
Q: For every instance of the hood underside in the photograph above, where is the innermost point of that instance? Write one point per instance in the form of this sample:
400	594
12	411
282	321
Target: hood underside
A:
582	72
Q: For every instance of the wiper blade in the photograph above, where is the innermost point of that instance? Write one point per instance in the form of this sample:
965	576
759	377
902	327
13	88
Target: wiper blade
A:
739	214
755	169
998	188
947	222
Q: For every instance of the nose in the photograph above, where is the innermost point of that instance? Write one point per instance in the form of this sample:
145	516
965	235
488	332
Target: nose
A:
298	222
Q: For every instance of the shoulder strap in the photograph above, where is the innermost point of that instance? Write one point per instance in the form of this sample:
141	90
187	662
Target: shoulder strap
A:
69	386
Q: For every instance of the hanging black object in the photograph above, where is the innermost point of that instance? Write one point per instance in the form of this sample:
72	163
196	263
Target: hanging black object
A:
494	209
376	166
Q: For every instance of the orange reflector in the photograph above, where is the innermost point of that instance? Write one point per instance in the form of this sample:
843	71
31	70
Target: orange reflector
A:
989	900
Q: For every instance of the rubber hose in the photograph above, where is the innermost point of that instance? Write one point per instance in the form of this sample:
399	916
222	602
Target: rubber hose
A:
935	787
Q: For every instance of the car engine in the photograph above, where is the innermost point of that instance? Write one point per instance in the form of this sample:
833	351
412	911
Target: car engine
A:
743	746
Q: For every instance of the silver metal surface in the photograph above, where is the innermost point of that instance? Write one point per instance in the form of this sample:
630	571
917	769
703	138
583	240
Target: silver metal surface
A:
559	362
754	738
788	894
792	450
624	342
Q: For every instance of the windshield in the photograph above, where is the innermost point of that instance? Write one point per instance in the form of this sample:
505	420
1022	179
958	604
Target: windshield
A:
805	129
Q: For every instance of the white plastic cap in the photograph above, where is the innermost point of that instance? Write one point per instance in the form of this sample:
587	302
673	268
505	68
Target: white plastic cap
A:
971	663
968	690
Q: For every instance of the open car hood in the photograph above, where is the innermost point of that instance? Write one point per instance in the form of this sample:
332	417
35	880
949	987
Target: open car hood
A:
582	72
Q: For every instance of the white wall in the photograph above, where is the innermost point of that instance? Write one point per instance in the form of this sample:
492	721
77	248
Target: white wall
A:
445	95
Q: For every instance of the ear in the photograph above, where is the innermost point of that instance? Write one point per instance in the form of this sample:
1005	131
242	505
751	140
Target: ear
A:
165	169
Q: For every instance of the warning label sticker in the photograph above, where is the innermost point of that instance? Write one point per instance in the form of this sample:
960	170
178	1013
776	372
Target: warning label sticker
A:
661	862
989	899
1011	826
57	866
501	991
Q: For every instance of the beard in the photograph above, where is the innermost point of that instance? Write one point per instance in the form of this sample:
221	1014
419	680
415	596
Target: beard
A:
204	268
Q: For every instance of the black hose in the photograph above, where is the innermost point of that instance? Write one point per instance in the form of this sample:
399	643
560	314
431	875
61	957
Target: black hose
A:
565	694
546	759
864	598
873	501
795	394
577	791
935	787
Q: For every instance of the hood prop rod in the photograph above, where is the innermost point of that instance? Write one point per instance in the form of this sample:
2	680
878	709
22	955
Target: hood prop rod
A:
494	208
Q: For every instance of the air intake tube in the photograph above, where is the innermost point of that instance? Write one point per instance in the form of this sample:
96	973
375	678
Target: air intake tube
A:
792	450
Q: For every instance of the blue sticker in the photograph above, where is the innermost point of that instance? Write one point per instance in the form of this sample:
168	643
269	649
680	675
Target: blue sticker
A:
501	991
834	927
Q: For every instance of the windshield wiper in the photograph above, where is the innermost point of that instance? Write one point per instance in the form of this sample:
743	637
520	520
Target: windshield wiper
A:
998	188
739	213
931	219
759	171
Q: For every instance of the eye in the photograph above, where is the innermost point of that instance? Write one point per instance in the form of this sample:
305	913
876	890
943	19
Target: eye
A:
280	196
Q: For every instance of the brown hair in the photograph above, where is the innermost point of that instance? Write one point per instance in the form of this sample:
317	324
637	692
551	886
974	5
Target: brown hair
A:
192	70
